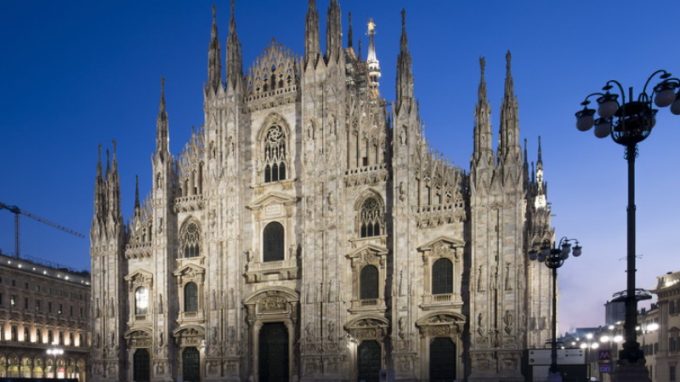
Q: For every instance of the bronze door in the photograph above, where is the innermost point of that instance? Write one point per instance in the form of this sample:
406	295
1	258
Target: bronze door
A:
273	353
191	361
442	360
369	361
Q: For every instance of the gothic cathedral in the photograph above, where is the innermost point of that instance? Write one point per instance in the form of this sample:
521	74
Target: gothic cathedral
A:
307	232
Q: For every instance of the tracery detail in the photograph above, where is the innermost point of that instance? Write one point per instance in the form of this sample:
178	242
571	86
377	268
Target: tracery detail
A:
371	217
274	154
191	237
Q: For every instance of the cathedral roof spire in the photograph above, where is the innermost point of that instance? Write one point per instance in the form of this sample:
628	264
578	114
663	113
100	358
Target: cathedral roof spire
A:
333	32
136	193
482	133
113	185
234	58
372	58
99	192
350	35
539	162
404	69
162	140
312	50
509	129
214	59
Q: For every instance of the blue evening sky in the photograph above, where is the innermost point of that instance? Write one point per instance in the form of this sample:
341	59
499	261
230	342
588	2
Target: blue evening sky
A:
74	74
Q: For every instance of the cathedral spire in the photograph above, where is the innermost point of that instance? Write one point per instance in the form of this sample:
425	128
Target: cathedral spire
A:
234	59
526	165
372	58
99	162
541	187
99	192
333	32
113	185
136	193
162	140
350	35
214	60
404	69
539	162
312	50
509	130
482	134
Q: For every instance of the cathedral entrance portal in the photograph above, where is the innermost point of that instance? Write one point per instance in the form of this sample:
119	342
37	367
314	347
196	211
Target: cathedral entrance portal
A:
141	366
442	360
369	361
191	361
273	355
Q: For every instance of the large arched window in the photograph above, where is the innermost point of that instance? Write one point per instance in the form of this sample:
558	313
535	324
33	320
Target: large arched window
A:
368	283
442	276
190	298
371	217
191	240
141	301
272	242
274	154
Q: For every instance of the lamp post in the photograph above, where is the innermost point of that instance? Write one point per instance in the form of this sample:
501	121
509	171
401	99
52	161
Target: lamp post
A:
629	122
554	257
55	352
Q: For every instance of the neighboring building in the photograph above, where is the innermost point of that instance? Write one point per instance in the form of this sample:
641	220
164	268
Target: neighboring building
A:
648	336
308	232
43	307
615	309
667	358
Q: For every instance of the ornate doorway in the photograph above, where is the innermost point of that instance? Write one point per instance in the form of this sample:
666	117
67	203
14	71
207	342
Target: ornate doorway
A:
442	360
141	366
191	361
369	361
273	355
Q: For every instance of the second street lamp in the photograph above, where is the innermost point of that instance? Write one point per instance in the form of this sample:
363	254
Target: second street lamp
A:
553	258
629	122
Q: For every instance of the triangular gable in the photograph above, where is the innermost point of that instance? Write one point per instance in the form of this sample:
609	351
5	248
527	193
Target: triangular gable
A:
275	197
441	239
370	248
189	266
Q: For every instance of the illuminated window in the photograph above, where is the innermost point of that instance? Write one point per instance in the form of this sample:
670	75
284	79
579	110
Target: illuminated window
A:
141	301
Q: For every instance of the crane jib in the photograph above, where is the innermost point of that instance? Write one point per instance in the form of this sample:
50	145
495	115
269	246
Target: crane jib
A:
18	211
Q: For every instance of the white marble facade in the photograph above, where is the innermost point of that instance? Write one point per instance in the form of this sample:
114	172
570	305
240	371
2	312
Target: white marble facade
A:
308	232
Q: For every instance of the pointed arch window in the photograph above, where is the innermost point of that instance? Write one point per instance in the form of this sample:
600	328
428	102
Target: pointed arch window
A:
368	283
191	240
274	154
371	217
190	298
273	242
442	276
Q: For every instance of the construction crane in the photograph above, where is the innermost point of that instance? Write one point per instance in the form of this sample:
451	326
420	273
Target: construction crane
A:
18	211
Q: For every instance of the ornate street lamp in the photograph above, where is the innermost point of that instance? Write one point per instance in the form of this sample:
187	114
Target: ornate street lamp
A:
629	122
554	257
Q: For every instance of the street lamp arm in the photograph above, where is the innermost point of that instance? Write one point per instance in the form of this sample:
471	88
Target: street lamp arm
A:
608	87
586	102
664	75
